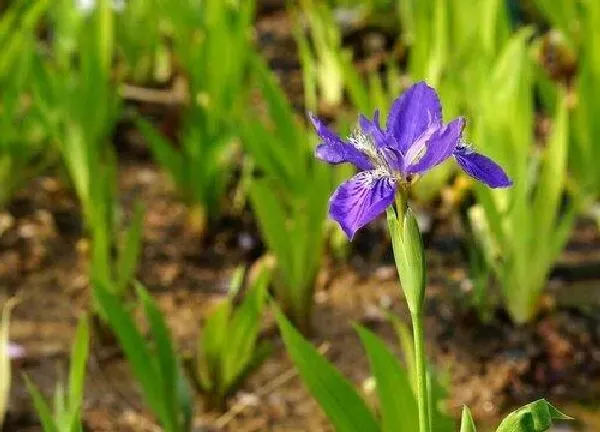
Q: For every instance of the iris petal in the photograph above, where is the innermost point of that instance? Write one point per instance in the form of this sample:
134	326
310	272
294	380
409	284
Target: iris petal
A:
336	151
372	128
482	168
415	111
361	199
438	147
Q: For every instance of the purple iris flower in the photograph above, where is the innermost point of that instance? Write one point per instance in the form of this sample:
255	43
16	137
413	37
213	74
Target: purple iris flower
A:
414	140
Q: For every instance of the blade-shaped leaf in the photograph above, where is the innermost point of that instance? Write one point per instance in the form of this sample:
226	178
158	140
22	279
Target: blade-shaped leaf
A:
163	151
134	346
466	422
79	357
167	359
130	249
211	342
396	399
41	407
272	221
343	406
243	333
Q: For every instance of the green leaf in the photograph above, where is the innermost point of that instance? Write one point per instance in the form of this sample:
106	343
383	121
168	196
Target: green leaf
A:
343	406
163	151
283	117
79	358
142	362
406	343
211	342
129	252
243	333
167	359
466	422
41	407
546	203
273	222
396	399
537	416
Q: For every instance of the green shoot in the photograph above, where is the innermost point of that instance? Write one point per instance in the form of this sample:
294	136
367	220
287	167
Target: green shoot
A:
65	414
154	363
228	346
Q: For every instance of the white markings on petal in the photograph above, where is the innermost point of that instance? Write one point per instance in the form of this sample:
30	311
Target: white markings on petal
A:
417	149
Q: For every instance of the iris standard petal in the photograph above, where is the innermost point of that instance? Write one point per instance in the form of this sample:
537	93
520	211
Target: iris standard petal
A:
414	112
438	147
334	150
372	128
361	199
481	168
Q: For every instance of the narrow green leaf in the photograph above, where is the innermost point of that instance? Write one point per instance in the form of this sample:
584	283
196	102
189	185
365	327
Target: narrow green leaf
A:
41	407
551	181
343	406
79	357
466	422
273	222
134	346
406	343
243	333
129	252
211	342
396	399
163	151
280	110
167	359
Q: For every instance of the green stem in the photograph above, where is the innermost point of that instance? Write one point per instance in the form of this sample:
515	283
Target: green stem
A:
416	309
421	370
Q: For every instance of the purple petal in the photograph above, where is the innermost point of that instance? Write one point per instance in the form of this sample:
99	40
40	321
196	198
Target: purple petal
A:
392	155
336	151
481	168
361	199
437	147
372	128
415	111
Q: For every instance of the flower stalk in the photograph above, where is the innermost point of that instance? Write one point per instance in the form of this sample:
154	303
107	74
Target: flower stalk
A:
421	371
409	257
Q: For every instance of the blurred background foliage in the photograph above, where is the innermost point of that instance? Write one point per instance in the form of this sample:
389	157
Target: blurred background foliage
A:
526	74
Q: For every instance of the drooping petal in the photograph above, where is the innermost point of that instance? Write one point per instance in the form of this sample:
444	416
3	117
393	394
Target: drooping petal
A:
334	150
414	112
361	199
481	168
438	147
